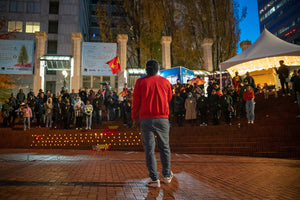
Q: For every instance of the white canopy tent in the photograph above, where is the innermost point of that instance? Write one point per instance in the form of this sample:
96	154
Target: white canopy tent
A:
263	54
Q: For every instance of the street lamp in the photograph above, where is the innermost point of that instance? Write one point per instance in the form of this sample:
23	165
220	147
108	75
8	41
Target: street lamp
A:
65	74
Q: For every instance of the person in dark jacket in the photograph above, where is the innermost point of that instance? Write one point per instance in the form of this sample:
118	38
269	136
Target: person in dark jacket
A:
14	104
21	96
38	112
242	102
226	105
66	113
297	89
283	73
178	107
202	105
109	103
214	106
6	109
57	113
294	76
251	81
97	105
31	102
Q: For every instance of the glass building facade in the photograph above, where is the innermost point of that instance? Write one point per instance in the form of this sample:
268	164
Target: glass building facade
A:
280	17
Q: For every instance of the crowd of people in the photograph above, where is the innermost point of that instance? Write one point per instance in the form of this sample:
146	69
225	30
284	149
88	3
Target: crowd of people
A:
64	109
190	103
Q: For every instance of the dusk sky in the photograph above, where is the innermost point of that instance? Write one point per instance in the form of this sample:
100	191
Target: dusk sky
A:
250	25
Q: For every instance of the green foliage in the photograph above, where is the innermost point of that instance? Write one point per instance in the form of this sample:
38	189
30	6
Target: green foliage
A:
23	55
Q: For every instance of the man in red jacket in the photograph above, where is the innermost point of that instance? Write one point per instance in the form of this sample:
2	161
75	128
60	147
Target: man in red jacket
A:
151	96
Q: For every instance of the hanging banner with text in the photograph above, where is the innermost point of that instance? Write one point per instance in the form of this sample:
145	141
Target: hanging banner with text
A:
94	58
16	56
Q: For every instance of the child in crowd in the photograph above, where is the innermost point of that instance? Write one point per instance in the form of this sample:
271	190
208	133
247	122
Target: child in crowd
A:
266	91
27	114
78	109
249	98
88	110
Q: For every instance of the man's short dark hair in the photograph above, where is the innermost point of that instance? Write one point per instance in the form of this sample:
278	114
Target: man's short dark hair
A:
152	67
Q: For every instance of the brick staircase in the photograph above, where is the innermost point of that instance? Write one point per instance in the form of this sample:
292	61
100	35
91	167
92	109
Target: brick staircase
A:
276	133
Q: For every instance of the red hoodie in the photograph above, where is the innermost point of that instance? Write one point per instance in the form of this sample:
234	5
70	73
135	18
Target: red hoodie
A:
248	95
151	97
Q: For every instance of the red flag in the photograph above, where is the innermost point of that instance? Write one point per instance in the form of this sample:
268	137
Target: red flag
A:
114	64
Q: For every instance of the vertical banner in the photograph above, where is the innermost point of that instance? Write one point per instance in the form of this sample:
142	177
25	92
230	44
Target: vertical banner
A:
16	56
94	58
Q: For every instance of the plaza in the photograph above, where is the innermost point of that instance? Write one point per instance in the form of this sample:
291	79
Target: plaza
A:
81	174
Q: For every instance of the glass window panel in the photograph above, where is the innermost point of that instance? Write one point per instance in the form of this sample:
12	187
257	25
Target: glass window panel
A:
33	7
32	27
86	81
3	6
53	26
96	81
53	7
15	26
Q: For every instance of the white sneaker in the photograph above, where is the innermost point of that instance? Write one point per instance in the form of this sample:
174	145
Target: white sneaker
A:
76	128
249	122
252	122
168	179
153	183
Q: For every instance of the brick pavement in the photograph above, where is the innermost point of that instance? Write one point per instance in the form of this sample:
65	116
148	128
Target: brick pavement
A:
80	174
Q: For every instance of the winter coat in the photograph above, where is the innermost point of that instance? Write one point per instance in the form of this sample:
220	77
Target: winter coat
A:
78	108
49	107
202	103
178	104
88	109
190	108
283	72
97	103
27	112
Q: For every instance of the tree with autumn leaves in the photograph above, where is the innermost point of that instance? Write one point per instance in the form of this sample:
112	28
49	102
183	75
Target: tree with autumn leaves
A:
7	81
187	22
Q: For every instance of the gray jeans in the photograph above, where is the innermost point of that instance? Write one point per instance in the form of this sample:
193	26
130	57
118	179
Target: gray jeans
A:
159	127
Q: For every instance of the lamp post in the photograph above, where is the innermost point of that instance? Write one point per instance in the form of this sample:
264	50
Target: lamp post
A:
65	74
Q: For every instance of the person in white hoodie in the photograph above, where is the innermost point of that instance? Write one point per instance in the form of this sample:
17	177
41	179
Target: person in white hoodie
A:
78	110
88	110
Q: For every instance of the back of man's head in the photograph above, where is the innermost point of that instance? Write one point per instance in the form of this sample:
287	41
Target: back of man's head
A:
152	67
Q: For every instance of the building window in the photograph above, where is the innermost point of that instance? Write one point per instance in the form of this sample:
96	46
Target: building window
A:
3	6
51	72
96	81
86	81
16	6
52	47
53	7
32	27
53	26
33	7
15	26
106	79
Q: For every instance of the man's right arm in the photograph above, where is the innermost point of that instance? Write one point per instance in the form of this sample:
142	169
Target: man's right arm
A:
135	102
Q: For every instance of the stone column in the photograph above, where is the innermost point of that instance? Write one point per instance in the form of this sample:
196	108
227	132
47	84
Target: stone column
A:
207	53
122	52
40	49
76	53
245	44
166	51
